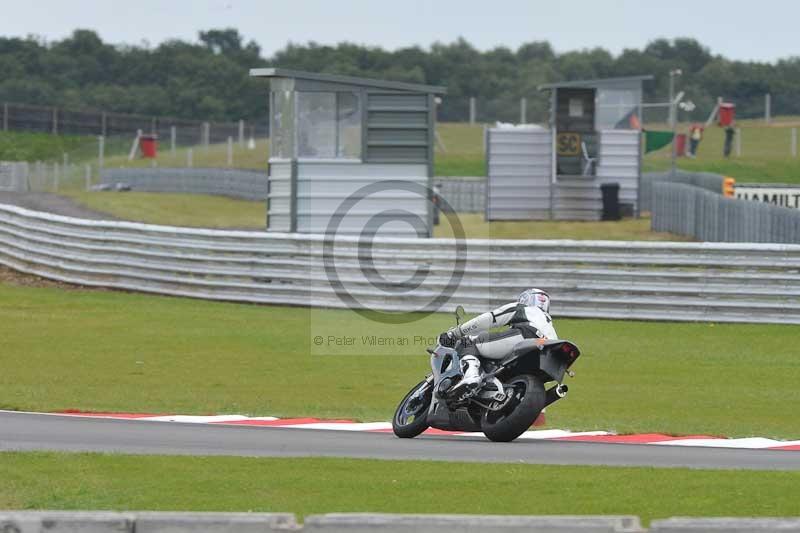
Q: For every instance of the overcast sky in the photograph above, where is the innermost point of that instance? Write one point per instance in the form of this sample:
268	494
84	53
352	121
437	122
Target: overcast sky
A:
763	30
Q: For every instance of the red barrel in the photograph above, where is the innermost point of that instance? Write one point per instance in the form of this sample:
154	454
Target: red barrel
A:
149	146
680	144
727	112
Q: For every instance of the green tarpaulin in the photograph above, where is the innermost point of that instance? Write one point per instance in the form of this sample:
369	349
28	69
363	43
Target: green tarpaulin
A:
653	140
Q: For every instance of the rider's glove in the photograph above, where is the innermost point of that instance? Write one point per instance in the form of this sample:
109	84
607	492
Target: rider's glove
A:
447	339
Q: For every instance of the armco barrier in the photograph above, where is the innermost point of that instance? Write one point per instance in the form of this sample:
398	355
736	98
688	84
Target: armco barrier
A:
244	184
143	522
704	180
180	522
389	523
726	525
715	282
711	217
464	195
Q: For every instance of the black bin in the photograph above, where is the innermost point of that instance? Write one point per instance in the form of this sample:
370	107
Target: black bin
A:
610	193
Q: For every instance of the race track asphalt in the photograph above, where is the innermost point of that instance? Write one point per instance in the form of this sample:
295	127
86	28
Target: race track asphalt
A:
26	431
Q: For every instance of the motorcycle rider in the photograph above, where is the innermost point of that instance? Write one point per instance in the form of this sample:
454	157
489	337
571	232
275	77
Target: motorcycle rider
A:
528	317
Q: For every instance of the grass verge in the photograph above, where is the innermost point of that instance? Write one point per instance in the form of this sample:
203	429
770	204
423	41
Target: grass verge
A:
765	157
198	210
459	152
114	351
18	146
324	485
475	227
195	210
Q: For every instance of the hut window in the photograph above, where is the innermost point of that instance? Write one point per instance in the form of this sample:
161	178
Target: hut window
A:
282	124
328	125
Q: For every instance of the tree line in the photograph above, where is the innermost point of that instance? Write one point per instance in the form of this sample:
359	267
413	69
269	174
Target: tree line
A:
208	79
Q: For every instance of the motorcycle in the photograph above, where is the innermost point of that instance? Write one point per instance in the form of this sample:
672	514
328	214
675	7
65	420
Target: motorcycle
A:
508	400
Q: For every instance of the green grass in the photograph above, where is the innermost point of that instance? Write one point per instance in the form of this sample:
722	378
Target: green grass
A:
214	156
626	230
765	154
460	151
16	146
219	212
195	210
112	351
307	486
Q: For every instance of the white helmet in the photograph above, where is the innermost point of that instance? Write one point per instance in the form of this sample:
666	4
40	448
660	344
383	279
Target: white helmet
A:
535	298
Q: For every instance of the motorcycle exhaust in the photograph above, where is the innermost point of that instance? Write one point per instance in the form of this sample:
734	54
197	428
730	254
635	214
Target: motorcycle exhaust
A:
554	394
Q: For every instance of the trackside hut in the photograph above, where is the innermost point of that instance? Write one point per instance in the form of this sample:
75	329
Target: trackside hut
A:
555	172
354	150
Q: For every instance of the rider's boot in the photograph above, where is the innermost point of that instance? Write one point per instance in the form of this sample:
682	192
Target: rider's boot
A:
472	376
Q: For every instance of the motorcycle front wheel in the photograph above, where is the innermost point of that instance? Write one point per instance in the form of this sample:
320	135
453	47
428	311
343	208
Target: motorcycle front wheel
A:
411	417
526	402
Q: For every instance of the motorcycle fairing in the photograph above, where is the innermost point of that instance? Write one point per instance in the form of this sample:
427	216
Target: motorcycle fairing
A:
554	356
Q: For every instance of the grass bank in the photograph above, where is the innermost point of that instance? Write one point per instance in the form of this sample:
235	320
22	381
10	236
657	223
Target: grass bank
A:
326	485
765	155
205	211
114	351
193	210
17	146
630	229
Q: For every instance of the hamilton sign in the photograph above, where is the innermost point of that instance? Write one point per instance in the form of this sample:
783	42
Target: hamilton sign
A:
782	195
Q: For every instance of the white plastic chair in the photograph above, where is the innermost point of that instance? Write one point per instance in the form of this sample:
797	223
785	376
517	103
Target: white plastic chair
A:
588	162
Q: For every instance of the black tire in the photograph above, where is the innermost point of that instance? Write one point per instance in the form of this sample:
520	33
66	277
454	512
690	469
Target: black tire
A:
401	425
511	422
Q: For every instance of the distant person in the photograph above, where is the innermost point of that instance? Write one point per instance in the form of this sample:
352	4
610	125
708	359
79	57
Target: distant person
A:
437	202
695	136
729	135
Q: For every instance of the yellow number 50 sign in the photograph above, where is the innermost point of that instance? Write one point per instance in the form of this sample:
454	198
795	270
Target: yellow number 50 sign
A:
568	144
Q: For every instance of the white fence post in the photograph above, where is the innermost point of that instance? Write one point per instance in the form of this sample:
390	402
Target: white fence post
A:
738	142
206	134
472	110
230	151
768	108
523	110
794	142
101	151
173	135
241	133
189	154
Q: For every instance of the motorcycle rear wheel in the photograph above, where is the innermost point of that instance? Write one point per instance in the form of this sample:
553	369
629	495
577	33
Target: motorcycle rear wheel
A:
411	416
527	402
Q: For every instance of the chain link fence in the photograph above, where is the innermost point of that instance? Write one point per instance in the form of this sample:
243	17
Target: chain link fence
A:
44	119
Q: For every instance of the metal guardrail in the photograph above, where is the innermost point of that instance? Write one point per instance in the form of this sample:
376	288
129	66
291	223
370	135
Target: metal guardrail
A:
689	210
177	522
704	180
593	279
13	176
245	184
464	195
